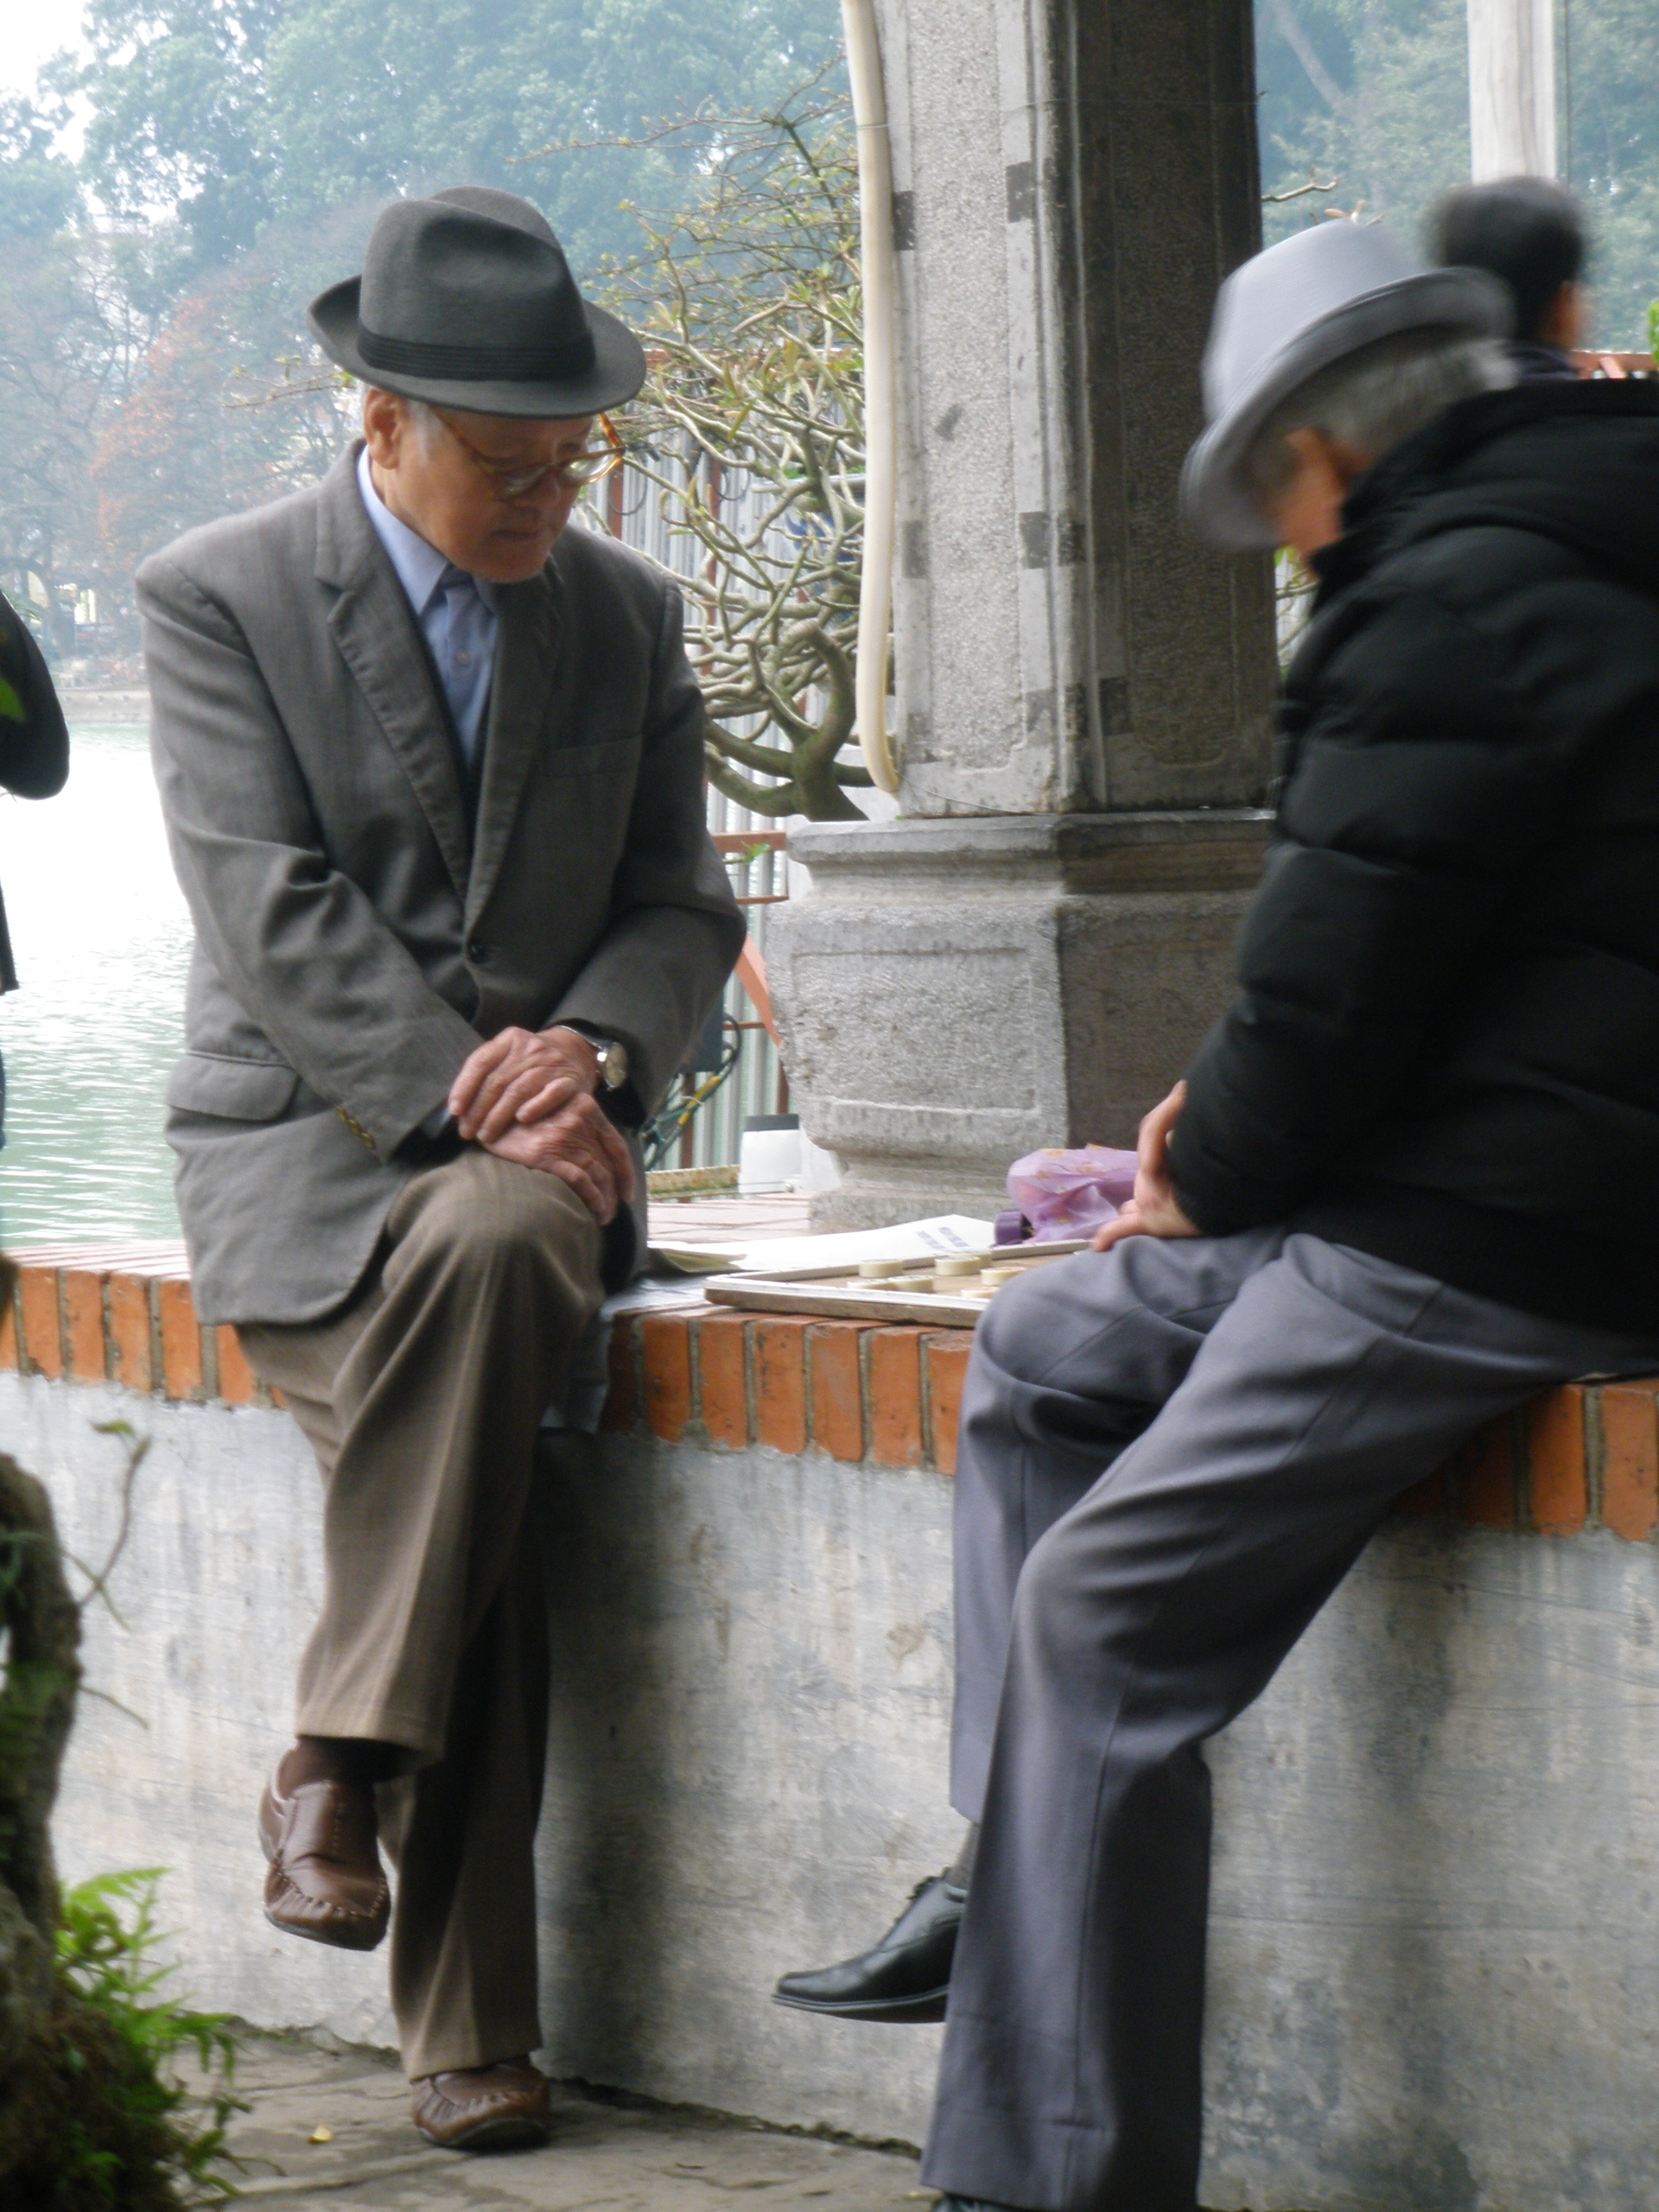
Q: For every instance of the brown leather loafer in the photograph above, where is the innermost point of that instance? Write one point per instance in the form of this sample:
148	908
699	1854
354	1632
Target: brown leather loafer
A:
482	2108
324	1880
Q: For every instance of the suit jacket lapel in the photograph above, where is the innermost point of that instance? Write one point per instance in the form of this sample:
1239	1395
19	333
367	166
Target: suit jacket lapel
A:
531	623
375	628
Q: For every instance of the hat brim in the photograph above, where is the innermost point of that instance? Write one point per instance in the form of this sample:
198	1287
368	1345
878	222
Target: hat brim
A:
618	372
1216	499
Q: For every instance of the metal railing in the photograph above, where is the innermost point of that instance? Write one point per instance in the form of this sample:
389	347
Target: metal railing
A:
630	507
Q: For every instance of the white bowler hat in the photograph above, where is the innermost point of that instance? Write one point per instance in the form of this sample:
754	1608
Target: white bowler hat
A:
1292	311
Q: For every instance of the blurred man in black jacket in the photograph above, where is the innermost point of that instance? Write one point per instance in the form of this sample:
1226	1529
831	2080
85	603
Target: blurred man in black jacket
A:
1411	1178
33	750
1526	231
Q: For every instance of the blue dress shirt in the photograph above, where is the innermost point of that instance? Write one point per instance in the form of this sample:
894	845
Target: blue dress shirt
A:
456	612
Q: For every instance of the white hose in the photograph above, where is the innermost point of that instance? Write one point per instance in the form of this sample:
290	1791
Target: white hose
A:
880	454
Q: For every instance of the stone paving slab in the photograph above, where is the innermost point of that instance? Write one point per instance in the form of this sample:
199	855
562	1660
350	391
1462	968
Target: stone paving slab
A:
620	2156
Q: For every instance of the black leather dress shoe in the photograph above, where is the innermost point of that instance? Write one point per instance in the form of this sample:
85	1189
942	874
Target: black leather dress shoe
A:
968	2204
906	1976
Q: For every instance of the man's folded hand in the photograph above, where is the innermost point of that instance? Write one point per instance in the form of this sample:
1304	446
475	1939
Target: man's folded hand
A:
527	1094
577	1144
522	1075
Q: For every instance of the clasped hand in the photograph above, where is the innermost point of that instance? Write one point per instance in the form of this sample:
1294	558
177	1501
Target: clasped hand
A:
527	1096
1154	1210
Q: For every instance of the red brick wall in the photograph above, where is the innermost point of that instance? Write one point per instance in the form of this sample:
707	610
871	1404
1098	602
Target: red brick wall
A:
728	1379
1586	1456
122	1314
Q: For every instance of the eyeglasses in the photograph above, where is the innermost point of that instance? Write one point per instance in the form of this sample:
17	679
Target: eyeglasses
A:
574	473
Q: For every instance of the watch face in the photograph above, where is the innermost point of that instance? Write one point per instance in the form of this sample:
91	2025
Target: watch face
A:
614	1065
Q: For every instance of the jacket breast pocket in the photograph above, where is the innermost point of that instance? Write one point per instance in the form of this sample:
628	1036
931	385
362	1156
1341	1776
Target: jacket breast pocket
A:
237	1091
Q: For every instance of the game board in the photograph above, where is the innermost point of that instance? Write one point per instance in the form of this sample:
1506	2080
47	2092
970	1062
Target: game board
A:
951	1292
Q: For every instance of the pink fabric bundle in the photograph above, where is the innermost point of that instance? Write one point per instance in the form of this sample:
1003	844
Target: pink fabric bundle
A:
1070	1193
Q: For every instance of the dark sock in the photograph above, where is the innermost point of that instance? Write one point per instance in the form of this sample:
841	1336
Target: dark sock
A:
354	1759
960	1872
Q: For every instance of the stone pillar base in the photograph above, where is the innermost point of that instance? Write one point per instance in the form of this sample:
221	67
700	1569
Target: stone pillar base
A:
952	993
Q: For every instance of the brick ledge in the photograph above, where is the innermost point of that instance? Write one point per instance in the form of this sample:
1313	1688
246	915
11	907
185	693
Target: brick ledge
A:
1585	1456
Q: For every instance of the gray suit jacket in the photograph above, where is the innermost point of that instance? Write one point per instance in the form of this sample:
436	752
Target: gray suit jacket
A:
355	935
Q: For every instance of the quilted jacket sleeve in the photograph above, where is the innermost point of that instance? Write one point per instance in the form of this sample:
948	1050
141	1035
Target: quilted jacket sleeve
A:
1430	767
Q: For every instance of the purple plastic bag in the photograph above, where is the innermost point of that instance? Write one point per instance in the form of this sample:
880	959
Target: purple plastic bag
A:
1071	1194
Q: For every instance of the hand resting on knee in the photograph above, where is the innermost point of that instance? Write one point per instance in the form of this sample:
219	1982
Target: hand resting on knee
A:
528	1096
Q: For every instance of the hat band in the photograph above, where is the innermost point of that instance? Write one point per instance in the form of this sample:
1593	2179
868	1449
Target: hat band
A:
412	357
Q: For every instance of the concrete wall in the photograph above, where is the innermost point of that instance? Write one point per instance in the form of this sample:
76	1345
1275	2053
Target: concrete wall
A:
1434	1980
1435	1954
751	1691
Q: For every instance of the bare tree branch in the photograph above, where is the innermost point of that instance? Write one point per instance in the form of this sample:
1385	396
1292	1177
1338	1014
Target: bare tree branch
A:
750	435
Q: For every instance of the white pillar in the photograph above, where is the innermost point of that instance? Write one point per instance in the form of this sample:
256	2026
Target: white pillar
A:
1511	88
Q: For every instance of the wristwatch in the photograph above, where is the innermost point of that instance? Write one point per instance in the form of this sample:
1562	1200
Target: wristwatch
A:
612	1062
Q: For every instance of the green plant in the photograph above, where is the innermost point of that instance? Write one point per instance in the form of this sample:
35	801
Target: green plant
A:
92	2118
107	1942
97	2119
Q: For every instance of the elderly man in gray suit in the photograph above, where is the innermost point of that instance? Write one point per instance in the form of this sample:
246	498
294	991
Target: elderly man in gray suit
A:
432	769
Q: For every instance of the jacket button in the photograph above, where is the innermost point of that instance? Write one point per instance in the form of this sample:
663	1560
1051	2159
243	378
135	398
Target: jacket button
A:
477	951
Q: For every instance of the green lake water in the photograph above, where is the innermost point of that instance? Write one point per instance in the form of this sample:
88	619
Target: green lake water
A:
102	940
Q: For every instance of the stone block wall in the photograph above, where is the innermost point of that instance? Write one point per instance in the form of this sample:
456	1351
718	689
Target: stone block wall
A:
1582	1458
889	1396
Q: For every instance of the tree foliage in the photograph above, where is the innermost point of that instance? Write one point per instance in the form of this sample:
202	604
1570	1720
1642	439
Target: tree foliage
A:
236	154
751	428
1374	94
40	191
234	404
70	344
241	113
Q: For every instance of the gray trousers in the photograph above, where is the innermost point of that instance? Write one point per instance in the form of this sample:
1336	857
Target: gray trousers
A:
1170	1455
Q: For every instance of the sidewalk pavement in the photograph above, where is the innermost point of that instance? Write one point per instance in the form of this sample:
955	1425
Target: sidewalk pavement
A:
624	2157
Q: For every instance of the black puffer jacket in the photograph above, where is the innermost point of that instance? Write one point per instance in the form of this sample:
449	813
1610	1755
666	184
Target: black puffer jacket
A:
1444	1050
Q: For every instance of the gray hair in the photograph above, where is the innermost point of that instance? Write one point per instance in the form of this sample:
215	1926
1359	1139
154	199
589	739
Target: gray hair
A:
1376	397
424	420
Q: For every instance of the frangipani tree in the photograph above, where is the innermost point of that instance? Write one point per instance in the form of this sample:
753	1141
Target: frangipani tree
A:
750	431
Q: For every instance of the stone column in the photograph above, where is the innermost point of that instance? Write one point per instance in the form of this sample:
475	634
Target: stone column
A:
1030	953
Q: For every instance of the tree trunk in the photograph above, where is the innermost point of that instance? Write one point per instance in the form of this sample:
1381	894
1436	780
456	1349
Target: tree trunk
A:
39	1633
822	798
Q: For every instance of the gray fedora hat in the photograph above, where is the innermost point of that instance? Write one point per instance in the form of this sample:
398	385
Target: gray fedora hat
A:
467	300
1291	312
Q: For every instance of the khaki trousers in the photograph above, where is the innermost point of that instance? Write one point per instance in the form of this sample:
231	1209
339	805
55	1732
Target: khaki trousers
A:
422	1399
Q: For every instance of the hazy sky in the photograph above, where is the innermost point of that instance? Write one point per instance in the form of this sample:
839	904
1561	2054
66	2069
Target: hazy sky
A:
30	31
